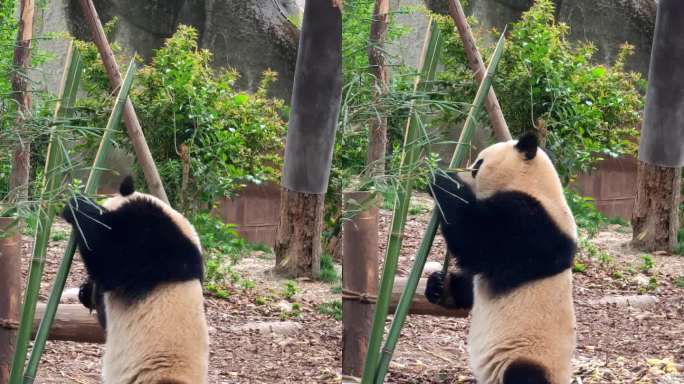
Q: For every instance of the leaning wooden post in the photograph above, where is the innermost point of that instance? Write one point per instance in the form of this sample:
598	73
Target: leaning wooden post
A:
135	133
10	292
359	279
21	158
476	64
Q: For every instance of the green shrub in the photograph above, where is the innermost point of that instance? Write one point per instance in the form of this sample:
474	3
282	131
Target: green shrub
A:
586	215
585	111
193	115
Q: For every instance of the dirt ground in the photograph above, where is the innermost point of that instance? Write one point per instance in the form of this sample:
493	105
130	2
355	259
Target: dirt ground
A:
257	336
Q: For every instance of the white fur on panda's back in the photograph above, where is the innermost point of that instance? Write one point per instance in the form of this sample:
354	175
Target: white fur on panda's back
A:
534	322
162	336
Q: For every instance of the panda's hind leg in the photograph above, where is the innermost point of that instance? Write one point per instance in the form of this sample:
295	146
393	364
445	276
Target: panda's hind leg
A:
453	290
525	372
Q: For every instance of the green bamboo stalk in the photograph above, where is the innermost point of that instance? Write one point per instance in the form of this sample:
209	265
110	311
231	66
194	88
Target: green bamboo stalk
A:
410	155
90	188
52	181
459	155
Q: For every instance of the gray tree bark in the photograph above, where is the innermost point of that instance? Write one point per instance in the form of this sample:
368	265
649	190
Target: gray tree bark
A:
310	138
655	219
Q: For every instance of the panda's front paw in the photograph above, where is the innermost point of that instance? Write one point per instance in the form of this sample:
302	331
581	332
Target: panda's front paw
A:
434	290
85	294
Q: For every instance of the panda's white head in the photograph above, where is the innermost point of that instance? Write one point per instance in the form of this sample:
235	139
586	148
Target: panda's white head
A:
520	166
134	242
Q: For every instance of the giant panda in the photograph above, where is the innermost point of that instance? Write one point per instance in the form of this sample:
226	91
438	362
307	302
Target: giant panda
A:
508	226
144	263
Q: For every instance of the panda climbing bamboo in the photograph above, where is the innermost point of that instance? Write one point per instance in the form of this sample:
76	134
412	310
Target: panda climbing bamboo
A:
144	264
513	236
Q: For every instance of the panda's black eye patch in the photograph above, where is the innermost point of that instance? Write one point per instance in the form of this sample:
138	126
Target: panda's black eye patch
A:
476	167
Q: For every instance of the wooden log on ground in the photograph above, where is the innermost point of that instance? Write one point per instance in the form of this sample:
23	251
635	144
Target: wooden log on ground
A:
420	305
73	322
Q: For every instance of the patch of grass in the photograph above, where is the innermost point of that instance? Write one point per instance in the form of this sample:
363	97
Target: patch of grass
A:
337	289
247	284
679	248
647	263
331	308
296	312
417	210
617	221
617	275
290	290
579	267
260	300
216	290
328	271
59	236
605	258
679	282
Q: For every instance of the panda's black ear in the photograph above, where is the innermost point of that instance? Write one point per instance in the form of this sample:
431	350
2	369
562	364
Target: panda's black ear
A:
127	186
528	144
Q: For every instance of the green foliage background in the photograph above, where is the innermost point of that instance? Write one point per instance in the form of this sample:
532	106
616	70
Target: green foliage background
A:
232	137
585	110
8	34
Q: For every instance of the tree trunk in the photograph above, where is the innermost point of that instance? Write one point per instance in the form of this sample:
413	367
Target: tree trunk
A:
377	130
298	241
359	281
310	140
21	157
135	133
655	220
10	293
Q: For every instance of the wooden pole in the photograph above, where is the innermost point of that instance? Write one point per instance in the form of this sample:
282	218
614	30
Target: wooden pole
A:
476	64
21	158
73	322
135	133
359	280
10	292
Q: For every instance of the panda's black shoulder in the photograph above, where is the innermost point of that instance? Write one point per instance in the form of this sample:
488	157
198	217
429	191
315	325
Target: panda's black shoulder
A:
152	248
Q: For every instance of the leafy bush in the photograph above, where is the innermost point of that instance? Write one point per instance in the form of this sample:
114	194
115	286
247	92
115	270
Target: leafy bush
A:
584	110
193	116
